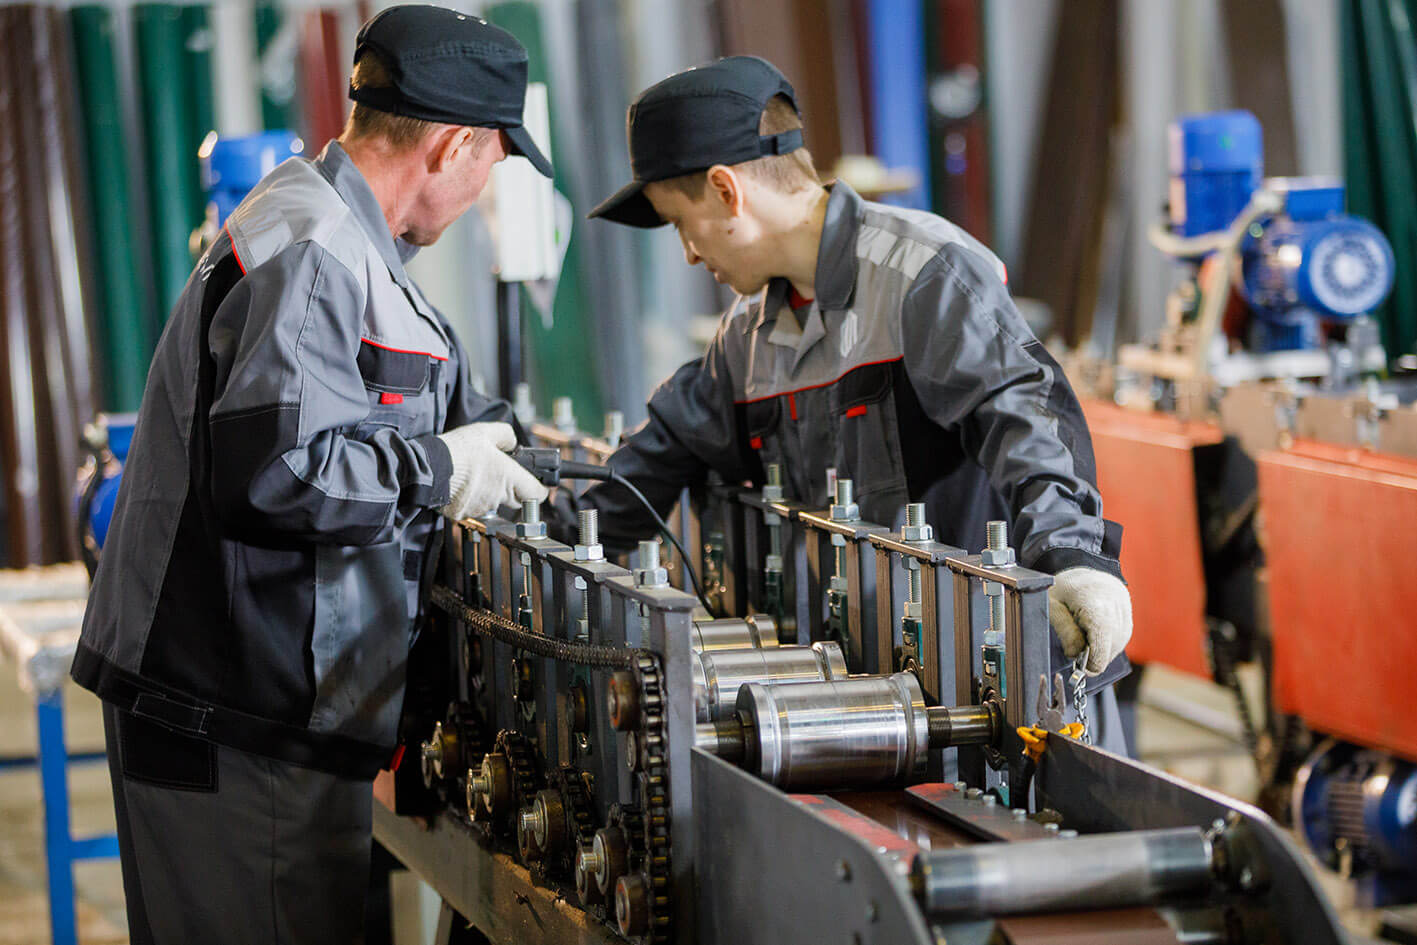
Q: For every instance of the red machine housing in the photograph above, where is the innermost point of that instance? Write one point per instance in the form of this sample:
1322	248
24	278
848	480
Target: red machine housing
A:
1146	473
1339	527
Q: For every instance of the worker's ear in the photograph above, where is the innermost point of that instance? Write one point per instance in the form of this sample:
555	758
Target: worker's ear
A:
726	187
444	145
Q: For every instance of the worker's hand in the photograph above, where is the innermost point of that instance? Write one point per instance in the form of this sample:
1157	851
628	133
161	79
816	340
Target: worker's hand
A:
484	476
1090	608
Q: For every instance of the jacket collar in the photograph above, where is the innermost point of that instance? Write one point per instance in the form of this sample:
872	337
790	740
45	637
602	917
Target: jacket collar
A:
338	168
836	263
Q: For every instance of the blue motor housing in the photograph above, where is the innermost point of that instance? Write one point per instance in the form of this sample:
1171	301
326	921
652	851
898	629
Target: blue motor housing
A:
1310	264
232	166
98	489
1216	163
1361	803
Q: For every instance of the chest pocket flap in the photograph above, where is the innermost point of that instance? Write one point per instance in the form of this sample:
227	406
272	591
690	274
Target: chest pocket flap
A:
389	370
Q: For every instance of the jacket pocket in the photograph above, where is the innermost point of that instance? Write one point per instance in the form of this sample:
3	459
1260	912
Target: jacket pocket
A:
760	421
868	441
359	645
390	371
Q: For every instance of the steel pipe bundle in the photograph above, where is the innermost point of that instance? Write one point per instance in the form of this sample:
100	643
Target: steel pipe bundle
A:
46	375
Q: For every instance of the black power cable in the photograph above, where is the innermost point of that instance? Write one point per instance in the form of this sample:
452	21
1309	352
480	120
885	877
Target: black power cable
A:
547	465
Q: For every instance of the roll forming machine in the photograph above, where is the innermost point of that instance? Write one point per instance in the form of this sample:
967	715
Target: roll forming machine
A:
842	760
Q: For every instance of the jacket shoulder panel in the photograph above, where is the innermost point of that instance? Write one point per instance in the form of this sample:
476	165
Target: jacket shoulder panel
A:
295	204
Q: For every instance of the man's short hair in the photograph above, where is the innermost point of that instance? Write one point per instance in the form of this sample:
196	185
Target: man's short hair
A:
400	131
790	173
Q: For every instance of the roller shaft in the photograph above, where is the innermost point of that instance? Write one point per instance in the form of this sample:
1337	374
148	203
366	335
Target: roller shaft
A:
1103	871
951	727
719	674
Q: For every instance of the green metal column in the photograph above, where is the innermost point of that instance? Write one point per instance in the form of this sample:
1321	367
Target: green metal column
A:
125	342
166	109
1380	143
201	107
562	368
275	95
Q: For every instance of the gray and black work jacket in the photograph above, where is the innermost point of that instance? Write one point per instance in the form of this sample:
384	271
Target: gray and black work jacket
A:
260	583
912	374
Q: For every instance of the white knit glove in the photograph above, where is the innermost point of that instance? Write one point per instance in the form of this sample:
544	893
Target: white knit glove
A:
484	476
1090	608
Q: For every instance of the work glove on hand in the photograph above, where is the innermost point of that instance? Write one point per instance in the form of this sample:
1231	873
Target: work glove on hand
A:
1090	608
484	476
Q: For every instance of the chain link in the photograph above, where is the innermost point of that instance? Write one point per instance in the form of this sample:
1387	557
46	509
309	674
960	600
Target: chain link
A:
1079	680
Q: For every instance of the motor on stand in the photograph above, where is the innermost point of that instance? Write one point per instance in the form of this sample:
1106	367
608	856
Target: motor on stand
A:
1313	264
1278	280
1357	810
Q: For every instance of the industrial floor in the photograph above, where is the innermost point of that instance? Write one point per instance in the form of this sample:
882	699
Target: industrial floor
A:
1196	753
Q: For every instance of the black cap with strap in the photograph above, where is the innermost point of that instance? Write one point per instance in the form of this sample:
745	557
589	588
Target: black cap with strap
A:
449	67
693	120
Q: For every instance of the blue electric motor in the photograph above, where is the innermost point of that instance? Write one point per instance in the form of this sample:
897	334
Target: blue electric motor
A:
1216	162
1310	264
1360	804
232	166
108	444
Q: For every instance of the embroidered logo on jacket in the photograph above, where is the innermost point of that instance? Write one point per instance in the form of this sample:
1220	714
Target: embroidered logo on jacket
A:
849	334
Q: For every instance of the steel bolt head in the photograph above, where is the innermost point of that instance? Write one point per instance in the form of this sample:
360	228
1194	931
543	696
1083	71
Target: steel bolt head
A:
914	610
845	513
590	552
997	558
918	533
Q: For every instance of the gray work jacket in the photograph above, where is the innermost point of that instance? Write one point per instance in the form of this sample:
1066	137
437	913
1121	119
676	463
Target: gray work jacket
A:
913	374
260	583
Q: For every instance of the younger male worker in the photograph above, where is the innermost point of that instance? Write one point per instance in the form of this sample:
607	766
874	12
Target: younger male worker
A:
306	416
872	339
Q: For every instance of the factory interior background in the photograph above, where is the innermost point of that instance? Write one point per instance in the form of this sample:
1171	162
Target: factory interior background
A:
1045	128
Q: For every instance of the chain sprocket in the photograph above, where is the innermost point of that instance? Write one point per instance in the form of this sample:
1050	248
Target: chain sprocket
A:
654	794
580	815
522	761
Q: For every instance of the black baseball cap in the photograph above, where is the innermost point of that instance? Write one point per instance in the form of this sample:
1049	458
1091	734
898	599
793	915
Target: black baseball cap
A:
449	67
693	120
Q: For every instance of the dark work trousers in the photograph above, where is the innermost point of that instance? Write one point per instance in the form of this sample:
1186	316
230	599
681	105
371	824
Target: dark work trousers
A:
220	846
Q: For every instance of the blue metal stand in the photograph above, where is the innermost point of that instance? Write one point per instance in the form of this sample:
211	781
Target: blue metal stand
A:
61	848
899	106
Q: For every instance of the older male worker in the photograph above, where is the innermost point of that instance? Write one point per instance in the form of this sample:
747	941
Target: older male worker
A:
307	415
868	338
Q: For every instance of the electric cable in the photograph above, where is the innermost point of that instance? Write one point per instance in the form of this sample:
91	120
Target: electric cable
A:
668	533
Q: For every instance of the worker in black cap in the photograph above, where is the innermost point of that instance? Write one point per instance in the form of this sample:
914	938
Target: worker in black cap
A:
307	415
872	340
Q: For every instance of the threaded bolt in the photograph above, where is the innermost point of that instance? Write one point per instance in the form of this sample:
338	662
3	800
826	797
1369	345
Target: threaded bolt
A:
531	821
998	536
478	785
917	590
588	861
531	512
915	514
649	555
996	613
844	491
775	474
590	527
563	414
614	427
522	406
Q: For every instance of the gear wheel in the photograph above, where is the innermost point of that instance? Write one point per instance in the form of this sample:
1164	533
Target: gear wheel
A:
510	769
569	782
654	796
